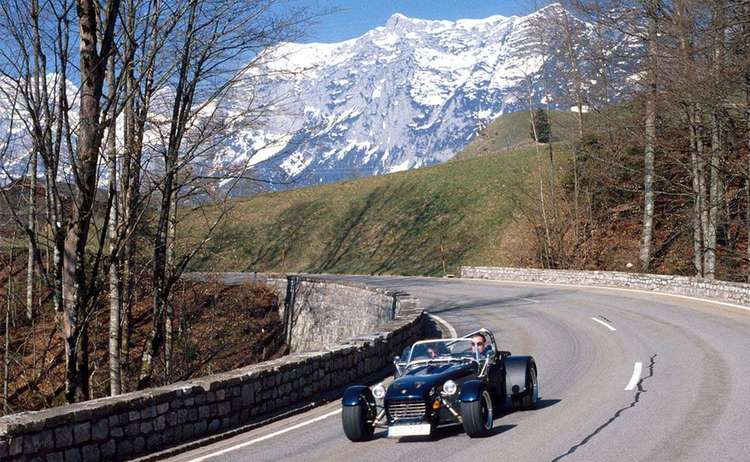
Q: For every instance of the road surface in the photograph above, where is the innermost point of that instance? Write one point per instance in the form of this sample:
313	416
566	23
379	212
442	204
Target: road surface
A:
624	376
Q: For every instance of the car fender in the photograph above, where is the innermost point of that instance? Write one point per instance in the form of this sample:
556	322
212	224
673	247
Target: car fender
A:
515	373
471	390
355	394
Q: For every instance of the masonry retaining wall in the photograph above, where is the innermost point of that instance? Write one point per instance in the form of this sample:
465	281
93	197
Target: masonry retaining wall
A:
132	424
732	292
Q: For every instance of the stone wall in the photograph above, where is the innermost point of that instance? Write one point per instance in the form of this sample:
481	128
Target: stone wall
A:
319	313
146	421
732	292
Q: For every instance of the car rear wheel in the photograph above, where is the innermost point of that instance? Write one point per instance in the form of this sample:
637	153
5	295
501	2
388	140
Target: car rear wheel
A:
478	416
356	421
531	398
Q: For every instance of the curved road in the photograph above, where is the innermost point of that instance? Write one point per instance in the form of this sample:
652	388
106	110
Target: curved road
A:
690	402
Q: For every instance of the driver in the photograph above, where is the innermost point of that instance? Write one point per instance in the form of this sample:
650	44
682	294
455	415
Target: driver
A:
480	344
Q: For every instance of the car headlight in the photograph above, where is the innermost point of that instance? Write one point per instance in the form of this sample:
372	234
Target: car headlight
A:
378	391
450	387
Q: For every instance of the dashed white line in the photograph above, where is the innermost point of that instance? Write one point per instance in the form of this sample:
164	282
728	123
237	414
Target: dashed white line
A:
266	437
637	368
448	325
604	324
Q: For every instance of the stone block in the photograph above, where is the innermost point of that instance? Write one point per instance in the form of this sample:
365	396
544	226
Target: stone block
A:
160	423
100	430
147	427
37	442
56	457
73	455
188	431
133	429
116	432
63	437
108	449
139	445
16	446
124	449
82	432
154	441
148	413
200	427
214	425
90	453
162	408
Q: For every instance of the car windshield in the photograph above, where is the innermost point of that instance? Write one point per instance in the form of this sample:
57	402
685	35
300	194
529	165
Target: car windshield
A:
443	350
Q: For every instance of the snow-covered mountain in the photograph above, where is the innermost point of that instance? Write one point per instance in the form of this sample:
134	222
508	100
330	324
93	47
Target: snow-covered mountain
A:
404	95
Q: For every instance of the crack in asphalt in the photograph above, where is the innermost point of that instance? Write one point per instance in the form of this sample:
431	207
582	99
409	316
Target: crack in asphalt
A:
636	400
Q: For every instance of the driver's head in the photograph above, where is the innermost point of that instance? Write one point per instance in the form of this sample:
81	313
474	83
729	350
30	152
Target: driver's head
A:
480	342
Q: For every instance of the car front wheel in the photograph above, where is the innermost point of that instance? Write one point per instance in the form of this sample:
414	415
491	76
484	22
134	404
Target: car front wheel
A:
357	426
478	416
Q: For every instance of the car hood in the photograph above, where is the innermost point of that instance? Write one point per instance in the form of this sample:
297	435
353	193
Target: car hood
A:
419	380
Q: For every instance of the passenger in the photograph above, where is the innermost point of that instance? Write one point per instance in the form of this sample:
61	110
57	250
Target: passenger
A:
437	349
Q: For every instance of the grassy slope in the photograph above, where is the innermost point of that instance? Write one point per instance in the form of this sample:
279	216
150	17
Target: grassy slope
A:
511	131
423	221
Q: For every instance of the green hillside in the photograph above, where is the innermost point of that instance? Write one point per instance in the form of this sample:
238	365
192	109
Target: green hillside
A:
512	131
426	221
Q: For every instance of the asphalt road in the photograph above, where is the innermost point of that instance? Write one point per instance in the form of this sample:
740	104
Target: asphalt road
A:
691	401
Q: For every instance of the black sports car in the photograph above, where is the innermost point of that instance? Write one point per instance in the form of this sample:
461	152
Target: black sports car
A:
443	382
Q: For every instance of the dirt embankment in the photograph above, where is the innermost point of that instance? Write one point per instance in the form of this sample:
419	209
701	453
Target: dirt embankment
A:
216	328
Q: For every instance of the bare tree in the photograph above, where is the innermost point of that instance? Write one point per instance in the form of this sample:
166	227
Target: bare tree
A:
652	12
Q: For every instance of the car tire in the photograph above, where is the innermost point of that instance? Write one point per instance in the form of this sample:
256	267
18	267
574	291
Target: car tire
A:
478	415
530	397
355	420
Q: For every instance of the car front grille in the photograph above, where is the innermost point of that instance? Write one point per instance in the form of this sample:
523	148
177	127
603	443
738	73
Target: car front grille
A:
407	409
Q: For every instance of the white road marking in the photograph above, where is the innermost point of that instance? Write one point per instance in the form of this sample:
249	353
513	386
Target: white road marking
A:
266	437
581	286
604	324
636	376
528	299
448	325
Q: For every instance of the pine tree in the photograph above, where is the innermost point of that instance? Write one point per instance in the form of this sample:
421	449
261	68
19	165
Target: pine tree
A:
543	130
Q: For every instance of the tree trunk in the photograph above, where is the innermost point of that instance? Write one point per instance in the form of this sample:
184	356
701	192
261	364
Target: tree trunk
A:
181	104
698	197
115	284
746	30
547	239
650	144
32	226
75	282
6	359
714	191
171	260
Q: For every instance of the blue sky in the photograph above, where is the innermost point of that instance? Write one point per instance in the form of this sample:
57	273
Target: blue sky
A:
353	18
